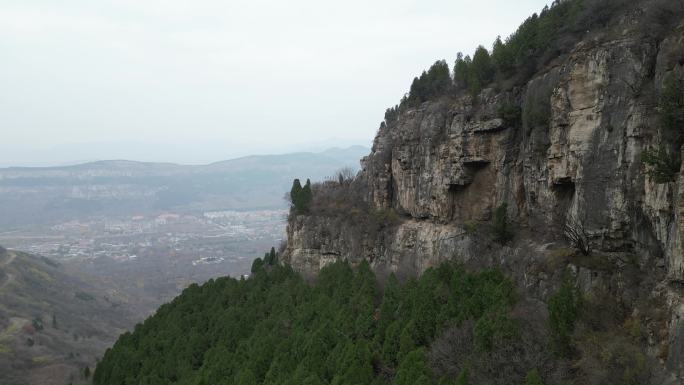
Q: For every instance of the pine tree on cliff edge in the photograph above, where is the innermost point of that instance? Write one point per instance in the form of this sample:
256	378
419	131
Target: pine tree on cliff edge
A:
296	194
301	196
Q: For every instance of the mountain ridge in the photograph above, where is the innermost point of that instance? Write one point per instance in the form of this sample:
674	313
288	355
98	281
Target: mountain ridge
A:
38	196
342	154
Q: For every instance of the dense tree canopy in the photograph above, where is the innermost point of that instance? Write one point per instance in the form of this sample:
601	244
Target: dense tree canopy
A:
274	328
436	81
512	61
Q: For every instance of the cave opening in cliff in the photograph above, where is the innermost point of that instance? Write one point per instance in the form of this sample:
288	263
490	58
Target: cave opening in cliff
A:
564	193
452	193
564	190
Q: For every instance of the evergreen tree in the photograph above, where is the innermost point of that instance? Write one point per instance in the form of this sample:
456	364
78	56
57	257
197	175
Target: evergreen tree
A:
413	369
390	305
439	78
671	106
462	70
272	257
246	377
533	378
462	378
295	191
500	227
275	328
296	196
407	341
301	197
481	70
307	195
665	160
502	59
432	83
539	39
257	265
390	346
417	92
564	307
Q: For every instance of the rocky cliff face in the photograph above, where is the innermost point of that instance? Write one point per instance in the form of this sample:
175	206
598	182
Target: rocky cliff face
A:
573	156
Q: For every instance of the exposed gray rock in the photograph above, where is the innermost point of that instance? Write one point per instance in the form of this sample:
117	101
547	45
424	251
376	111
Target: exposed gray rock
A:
448	164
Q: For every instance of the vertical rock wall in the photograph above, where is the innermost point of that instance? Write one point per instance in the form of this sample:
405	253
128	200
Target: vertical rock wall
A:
574	155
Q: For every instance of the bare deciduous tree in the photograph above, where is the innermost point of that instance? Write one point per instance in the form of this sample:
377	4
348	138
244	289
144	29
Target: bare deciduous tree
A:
575	232
451	350
343	176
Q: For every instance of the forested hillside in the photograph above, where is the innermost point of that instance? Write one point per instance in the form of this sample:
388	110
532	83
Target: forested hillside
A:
529	200
275	328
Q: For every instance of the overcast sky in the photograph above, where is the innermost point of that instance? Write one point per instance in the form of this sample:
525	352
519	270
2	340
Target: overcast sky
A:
202	80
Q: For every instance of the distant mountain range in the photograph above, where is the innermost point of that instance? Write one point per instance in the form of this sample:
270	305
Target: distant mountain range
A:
44	195
197	152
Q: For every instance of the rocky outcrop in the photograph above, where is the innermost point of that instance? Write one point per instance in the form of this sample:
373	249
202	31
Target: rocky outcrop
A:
574	155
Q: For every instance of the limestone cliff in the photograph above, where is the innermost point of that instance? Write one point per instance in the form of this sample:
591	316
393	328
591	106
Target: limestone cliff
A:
574	155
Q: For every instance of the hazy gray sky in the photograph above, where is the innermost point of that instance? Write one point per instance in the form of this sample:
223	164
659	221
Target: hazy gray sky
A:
221	77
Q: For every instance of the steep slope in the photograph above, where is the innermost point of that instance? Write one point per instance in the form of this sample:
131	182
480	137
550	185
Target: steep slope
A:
274	328
52	324
562	158
556	179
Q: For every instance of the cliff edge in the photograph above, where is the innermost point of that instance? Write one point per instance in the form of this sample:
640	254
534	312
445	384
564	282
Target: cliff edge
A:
564	158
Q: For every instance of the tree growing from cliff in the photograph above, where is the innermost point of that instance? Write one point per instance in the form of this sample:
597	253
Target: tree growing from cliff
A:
663	162
564	310
671	107
575	232
510	113
661	167
500	226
